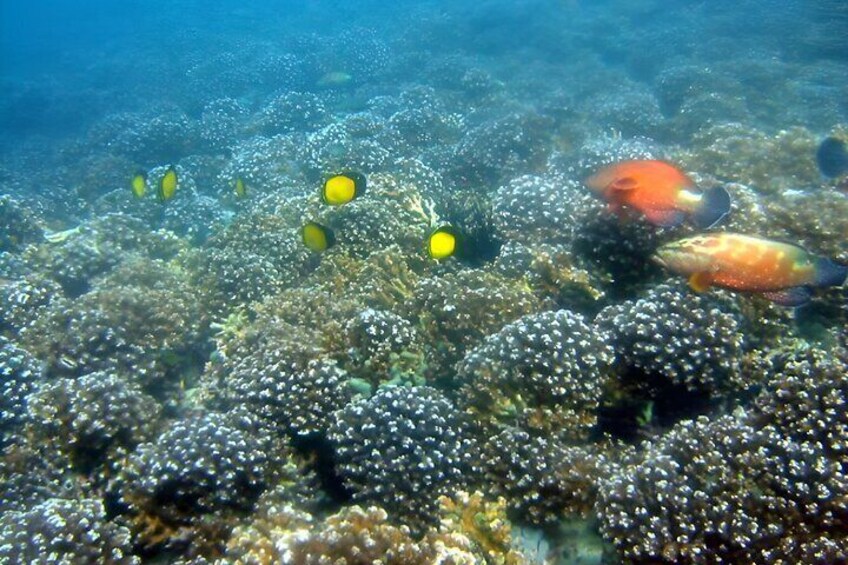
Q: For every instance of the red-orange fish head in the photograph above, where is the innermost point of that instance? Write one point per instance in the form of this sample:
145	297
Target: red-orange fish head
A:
661	192
649	186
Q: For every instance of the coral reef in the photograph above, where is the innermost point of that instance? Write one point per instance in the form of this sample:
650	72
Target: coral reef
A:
543	479
263	162
360	535
531	209
290	112
762	485
739	153
64	531
220	123
816	220
17	225
499	149
691	340
31	473
183	380
335	147
148	334
544	372
606	148
180	488
483	522
268	539
94	419
20	375
472	530
282	375
631	109
618	252
391	212
403	447
257	255
383	348
152	138
24	300
76	257
456	311
554	275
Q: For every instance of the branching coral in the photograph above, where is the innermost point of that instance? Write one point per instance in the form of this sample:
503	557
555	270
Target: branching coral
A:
763	485
64	531
499	149
20	375
383	348
282	375
534	209
403	447
618	252
145	334
196	475
771	163
32	472
483	523
291	111
357	535
472	530
455	312
255	256
543	479
93	419
543	372
691	340
76	257
24	300
17	226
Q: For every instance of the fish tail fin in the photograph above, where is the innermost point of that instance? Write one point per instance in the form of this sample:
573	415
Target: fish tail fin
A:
791	297
829	273
714	206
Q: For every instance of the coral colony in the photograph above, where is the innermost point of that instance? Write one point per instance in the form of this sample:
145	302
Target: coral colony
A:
185	379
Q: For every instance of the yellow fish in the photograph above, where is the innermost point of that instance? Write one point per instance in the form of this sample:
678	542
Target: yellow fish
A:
240	188
168	185
316	237
341	189
442	243
139	184
335	78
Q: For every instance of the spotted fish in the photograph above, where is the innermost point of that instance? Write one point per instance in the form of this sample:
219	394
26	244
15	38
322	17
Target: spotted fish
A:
782	272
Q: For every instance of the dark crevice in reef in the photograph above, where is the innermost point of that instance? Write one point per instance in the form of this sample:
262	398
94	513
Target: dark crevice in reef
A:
647	405
318	450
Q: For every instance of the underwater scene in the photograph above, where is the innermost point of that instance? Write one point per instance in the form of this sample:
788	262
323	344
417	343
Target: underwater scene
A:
496	282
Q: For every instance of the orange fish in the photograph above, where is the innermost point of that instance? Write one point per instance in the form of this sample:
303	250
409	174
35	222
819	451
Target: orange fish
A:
661	192
782	272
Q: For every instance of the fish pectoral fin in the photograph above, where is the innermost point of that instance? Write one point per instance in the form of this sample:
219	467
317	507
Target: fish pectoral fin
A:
792	297
700	281
664	218
623	184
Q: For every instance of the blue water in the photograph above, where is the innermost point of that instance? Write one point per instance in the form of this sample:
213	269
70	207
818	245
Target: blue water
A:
178	367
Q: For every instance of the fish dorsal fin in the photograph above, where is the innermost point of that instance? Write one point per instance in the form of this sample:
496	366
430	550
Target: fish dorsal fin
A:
623	184
792	297
700	281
